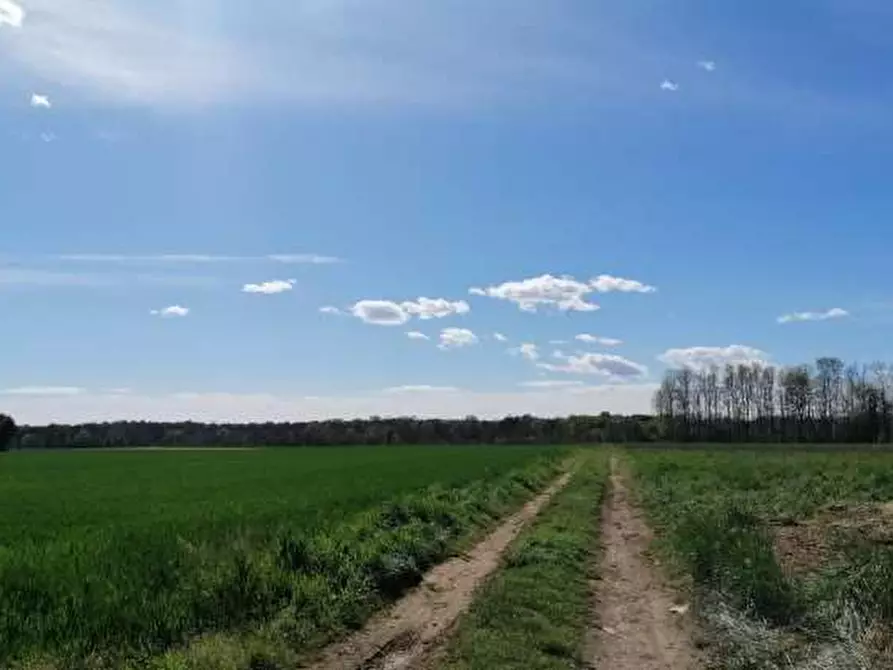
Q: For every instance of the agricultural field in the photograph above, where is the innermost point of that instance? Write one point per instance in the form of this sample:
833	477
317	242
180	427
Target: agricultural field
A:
788	557
532	557
231	558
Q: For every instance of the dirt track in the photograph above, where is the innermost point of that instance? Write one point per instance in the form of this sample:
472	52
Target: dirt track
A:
635	627
408	634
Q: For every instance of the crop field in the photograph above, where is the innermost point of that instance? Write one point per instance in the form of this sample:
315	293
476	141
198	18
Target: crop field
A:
788	557
280	558
183	559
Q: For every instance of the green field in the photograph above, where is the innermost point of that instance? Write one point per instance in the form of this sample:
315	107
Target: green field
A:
111	559
789	557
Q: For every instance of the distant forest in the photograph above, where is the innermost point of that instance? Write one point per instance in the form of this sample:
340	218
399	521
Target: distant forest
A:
828	402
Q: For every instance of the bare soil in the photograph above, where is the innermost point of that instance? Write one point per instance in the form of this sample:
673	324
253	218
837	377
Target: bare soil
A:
639	623
807	545
409	634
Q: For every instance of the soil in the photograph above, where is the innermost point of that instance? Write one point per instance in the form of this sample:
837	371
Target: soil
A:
808	545
639	623
409	634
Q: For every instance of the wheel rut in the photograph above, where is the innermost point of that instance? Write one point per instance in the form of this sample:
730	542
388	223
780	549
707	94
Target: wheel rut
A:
408	635
638	623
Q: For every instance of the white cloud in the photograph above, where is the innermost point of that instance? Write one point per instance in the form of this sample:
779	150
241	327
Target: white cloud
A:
390	313
551	383
454	338
528	350
270	287
607	365
667	85
328	309
420	388
564	293
700	358
435	308
11	14
609	284
312	259
499	337
833	313
171	312
380	312
222	407
707	65
48	137
416	335
40	101
43	391
594	339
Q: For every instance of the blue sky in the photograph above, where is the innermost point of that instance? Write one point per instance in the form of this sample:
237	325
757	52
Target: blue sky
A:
697	170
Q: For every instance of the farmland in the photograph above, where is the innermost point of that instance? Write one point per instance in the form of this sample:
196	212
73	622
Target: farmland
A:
260	558
789	557
110	559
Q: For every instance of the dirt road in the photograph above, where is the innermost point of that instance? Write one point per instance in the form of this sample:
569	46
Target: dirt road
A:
635	626
405	636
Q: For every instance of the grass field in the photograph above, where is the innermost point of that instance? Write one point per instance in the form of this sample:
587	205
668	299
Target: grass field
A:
111	559
789	556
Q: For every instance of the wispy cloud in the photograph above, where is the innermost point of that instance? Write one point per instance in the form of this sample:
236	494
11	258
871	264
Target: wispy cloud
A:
707	65
390	313
667	85
833	313
416	335
456	338
420	388
700	358
270	287
312	259
43	390
307	52
526	350
11	14
40	101
130	52
606	365
595	339
174	311
551	384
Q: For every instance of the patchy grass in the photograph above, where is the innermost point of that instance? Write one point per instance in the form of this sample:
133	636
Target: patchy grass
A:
779	581
236	560
533	613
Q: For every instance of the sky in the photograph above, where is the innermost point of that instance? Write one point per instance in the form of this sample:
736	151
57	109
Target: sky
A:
231	211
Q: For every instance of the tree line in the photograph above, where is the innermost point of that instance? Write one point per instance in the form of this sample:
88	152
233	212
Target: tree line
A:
827	402
373	431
